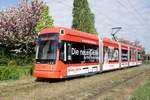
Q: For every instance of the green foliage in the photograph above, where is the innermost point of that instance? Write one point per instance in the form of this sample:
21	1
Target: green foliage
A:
17	31
14	73
9	60
19	50
143	51
22	59
142	93
83	19
143	54
45	20
4	59
146	62
8	57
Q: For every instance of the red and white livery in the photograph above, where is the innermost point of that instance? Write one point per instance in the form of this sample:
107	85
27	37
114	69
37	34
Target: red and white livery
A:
63	52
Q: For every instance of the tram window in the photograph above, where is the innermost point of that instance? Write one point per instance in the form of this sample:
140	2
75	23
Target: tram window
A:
114	54
139	56
105	54
132	54
79	53
62	46
124	56
92	56
135	53
111	54
75	50
69	53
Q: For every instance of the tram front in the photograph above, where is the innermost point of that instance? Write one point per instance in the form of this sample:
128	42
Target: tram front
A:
46	56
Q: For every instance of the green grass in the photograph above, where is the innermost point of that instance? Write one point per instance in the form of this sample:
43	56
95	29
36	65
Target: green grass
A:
142	93
14	66
146	62
15	72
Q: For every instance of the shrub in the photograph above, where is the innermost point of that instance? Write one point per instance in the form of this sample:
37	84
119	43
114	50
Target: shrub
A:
4	59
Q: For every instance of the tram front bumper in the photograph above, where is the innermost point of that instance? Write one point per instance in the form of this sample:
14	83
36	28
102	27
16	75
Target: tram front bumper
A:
46	74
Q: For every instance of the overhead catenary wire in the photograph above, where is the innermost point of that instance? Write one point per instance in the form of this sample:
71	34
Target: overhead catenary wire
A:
68	6
127	27
109	21
138	13
134	12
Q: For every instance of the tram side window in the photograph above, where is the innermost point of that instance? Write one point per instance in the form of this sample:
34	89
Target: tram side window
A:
124	56
114	54
111	54
84	53
105	54
65	52
69	52
73	53
91	53
132	54
135	53
61	57
139	56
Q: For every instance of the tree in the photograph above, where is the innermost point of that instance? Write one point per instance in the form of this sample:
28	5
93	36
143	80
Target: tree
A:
17	25
17	29
136	43
45	20
143	54
83	19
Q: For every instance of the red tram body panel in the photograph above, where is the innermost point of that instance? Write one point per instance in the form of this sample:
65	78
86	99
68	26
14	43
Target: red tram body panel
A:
63	52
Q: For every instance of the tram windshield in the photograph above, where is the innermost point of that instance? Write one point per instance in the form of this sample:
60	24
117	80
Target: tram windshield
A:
47	45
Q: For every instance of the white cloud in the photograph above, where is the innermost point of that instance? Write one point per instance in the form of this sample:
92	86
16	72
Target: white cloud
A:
108	14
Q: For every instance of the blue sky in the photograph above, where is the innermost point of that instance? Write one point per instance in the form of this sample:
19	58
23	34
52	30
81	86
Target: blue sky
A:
8	3
132	15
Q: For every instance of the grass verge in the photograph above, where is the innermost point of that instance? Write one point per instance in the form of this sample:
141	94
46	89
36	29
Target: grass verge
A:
146	62
15	72
142	93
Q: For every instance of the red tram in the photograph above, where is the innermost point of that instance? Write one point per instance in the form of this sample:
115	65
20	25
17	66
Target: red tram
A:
63	53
